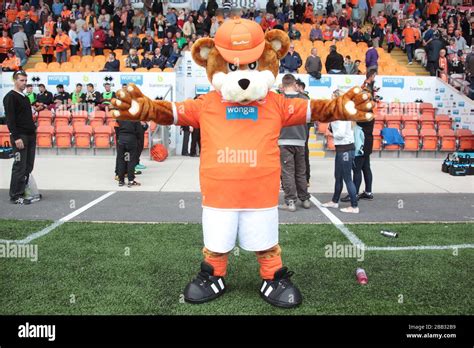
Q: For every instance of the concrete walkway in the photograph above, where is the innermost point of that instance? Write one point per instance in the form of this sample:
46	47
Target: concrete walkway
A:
181	174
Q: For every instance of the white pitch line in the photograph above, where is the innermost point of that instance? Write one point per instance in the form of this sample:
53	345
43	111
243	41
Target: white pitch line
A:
422	247
59	222
338	223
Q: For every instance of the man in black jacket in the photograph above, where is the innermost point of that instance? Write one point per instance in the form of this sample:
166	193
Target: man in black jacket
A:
44	98
22	136
334	62
432	53
128	133
112	64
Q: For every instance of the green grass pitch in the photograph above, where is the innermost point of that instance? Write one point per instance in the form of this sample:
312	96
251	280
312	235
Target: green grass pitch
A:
105	268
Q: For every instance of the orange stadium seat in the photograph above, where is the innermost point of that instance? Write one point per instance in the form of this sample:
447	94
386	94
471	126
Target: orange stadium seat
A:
68	66
83	136
410	121
168	70
44	136
447	140
79	118
64	136
54	66
429	140
62	118
87	59
41	66
377	146
97	118
427	109
427	121
74	59
45	118
443	122
465	139
102	136
412	139
4	135
393	120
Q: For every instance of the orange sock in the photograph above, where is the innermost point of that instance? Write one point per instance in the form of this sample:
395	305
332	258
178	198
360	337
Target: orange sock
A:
270	261
216	260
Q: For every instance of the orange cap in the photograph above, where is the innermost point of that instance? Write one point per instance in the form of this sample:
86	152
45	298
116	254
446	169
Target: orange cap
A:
240	41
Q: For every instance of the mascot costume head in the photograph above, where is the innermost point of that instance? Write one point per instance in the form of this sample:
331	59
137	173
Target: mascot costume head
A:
240	123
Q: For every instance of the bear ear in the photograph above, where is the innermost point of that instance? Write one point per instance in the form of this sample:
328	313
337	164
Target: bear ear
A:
279	40
200	50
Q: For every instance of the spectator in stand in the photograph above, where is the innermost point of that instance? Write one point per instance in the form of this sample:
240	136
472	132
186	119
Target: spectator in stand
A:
349	65
132	60
327	34
189	28
44	99
410	36
356	67
61	24
21	46
309	13
433	11
47	47
111	42
112	63
134	41
49	26
61	43
174	56
432	53
334	62
313	65
180	40
104	19
117	24
159	60
316	33
73	36
171	20
61	98
166	47
138	21
371	58
461	44
85	39
338	33
11	63
57	8
6	44
147	61
363	10
390	39
150	24
443	65
291	62
214	27
98	41
357	36
30	30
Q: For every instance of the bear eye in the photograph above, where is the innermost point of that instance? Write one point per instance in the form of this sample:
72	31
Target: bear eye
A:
253	66
233	67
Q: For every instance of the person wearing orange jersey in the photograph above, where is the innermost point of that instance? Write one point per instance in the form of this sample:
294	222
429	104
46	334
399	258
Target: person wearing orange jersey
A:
66	13
49	26
47	47
433	10
11	13
411	35
6	44
33	14
61	43
11	63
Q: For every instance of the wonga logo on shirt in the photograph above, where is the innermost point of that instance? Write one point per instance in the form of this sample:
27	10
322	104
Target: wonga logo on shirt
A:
241	113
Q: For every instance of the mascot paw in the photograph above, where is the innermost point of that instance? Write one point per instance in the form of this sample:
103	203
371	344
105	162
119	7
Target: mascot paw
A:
130	104
357	105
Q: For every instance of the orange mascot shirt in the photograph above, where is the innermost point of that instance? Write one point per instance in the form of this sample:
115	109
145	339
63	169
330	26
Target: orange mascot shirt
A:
240	157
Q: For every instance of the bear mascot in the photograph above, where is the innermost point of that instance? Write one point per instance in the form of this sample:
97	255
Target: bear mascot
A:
241	116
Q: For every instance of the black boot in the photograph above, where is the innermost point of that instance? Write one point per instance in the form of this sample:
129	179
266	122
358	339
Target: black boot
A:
280	291
205	287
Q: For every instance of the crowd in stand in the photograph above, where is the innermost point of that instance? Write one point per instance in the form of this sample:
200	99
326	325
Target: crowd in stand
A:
153	35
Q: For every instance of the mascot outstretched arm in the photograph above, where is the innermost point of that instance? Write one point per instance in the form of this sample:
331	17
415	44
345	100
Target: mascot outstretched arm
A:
240	122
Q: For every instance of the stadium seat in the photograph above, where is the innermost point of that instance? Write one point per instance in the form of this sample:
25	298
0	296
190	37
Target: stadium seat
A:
427	121
465	139
377	139
102	136
412	139
155	70
64	136
41	66
168	70
447	140
87	59
74	59
44	136
83	136
410	121
443	122
427	109
62	118
4	135
54	66
45	117
79	118
67	66
111	122
97	118
429	140
141	70
393	120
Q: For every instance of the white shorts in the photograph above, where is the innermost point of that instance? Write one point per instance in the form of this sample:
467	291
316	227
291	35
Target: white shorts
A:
257	229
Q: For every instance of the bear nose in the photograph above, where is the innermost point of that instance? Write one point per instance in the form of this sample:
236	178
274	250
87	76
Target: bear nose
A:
244	83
